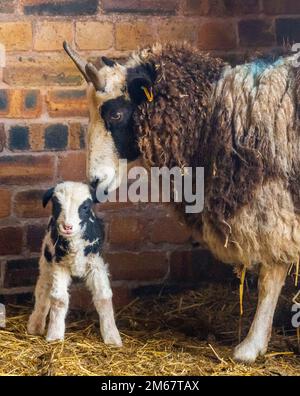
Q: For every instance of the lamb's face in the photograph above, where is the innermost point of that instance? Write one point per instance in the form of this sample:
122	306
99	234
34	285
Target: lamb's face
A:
71	207
114	93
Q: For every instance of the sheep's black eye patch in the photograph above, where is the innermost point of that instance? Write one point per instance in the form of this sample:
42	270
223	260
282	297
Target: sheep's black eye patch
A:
84	210
117	115
94	235
56	207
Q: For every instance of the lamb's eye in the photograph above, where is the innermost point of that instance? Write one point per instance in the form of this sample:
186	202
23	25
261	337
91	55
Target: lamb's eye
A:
117	116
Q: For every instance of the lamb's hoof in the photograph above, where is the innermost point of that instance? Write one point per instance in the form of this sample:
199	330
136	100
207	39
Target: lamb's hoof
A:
54	337
113	340
248	351
35	327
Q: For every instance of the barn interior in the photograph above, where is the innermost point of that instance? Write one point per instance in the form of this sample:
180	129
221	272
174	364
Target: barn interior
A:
177	308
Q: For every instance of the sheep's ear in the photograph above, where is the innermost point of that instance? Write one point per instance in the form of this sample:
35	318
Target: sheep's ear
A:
140	84
47	196
108	62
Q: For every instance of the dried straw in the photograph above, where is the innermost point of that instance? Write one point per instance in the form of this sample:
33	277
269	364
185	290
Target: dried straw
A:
190	333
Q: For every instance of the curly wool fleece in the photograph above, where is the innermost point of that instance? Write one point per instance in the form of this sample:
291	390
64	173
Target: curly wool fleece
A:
242	125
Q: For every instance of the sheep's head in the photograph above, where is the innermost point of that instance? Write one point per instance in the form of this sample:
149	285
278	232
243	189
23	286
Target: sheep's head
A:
114	93
71	208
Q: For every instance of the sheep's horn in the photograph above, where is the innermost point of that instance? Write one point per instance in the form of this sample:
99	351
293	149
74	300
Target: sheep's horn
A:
94	76
79	62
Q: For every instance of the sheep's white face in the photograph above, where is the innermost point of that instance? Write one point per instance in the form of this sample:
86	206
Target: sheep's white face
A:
114	93
71	207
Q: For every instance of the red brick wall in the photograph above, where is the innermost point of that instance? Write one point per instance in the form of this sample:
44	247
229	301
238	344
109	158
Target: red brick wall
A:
43	118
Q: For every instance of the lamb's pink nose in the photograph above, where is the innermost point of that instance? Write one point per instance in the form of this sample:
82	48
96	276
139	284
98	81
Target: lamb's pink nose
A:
67	227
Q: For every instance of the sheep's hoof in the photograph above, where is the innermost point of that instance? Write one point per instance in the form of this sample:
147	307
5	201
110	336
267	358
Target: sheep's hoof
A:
113	340
247	351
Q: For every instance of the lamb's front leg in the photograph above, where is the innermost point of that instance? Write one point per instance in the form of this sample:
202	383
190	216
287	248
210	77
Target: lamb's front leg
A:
37	320
98	283
59	301
271	280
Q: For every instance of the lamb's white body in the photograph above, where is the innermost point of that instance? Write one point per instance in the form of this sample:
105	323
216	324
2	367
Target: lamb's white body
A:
51	291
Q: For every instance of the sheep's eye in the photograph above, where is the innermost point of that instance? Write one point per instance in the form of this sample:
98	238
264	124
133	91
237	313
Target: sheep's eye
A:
116	116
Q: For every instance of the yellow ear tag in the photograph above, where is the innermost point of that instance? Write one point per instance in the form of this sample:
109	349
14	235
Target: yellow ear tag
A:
149	95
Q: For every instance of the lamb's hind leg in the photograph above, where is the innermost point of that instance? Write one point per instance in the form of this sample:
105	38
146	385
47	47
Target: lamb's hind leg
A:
37	320
98	283
271	280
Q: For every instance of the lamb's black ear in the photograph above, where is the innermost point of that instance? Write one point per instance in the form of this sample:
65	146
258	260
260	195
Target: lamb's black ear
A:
140	83
47	196
108	62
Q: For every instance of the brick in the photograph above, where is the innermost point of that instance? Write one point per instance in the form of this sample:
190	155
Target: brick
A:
36	137
5	203
71	166
62	7
126	231
256	32
115	206
20	103
20	273
122	296
276	7
7	6
50	35
141	6
10	240
217	35
2	137
142	266
169	230
4	101
81	298
56	137
288	30
77	133
28	204
198	265
35	236
132	35
26	169
177	31
67	103
221	7
41	70
18	138
92	35
16	36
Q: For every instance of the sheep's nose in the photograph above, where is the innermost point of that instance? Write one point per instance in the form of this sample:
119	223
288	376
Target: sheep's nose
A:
67	227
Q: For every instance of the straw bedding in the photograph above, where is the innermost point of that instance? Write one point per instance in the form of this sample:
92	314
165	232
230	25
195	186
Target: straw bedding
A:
184	333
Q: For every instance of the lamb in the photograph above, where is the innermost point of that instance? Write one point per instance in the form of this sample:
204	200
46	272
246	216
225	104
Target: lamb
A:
176	106
72	246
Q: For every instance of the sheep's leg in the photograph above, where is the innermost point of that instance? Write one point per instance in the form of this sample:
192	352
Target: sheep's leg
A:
59	302
271	280
37	320
98	283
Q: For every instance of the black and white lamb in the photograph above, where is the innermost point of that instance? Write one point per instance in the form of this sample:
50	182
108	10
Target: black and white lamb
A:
72	247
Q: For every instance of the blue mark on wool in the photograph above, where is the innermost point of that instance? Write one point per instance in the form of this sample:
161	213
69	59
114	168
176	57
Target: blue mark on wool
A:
258	67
